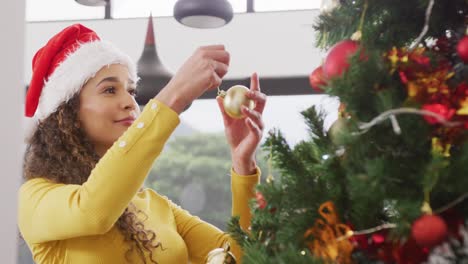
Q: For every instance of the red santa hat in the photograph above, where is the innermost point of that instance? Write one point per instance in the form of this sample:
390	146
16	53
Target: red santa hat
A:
65	64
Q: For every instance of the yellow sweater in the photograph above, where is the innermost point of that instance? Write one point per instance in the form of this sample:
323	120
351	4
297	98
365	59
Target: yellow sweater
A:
66	223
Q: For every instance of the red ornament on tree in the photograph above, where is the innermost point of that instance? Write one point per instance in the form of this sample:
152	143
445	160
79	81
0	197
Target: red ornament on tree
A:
429	230
442	110
317	79
337	59
261	202
462	49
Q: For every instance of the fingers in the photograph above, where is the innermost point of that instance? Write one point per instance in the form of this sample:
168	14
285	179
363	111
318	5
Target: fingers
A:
215	52
217	55
220	68
215	81
256	94
259	98
212	47
216	71
257	132
254	82
254	116
226	119
214	60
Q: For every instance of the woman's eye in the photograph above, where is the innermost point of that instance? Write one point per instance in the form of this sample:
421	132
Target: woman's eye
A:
110	90
133	92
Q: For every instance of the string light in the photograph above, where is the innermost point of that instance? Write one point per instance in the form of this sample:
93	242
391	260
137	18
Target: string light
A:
367	231
404	110
426	25
452	204
351	233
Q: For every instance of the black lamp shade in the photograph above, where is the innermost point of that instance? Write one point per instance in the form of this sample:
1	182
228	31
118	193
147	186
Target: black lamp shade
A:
203	13
92	2
153	75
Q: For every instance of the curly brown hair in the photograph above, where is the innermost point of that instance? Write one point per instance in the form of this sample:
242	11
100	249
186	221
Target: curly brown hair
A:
59	150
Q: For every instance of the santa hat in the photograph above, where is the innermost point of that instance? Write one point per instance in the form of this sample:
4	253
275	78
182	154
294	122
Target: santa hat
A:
65	64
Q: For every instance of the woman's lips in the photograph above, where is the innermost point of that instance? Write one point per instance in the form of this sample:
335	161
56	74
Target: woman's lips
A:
126	121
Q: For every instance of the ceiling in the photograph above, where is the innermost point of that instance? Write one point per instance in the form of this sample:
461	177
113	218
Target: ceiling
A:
55	10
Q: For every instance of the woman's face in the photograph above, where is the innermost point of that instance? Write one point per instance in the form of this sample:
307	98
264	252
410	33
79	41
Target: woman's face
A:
108	106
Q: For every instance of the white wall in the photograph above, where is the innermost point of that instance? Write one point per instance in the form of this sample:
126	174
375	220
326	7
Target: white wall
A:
273	44
11	52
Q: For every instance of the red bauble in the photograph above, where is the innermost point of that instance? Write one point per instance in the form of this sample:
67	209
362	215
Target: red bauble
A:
462	49
261	202
337	59
317	79
440	109
429	230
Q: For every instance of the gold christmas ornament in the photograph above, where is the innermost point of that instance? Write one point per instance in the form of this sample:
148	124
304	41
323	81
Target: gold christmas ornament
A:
234	98
221	256
338	130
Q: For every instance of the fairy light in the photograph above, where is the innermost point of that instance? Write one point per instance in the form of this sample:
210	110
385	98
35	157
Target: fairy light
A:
404	110
452	204
367	231
351	233
395	125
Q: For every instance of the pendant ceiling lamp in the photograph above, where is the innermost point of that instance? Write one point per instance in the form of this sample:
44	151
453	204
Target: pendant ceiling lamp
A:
153	75
105	3
203	13
92	2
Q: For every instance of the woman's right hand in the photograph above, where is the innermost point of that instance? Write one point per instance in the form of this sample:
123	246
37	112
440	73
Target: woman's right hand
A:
203	71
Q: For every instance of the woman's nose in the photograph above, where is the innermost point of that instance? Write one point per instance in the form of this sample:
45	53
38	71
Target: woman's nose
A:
128	102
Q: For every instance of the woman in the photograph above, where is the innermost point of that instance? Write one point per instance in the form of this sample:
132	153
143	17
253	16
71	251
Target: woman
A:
88	157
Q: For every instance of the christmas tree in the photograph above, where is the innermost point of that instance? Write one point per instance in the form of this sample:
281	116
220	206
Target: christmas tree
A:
387	183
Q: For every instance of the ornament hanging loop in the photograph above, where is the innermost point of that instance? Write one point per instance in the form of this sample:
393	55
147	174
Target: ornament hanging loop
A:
358	34
221	93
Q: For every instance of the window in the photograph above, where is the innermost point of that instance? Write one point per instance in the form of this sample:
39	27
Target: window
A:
282	5
52	10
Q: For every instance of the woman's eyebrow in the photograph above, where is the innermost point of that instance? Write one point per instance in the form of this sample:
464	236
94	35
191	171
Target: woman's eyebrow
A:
115	79
109	79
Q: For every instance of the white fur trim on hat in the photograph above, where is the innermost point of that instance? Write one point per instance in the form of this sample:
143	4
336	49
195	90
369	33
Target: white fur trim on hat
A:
78	67
29	127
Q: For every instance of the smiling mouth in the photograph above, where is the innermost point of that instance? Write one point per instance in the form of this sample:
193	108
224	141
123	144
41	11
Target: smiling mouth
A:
126	121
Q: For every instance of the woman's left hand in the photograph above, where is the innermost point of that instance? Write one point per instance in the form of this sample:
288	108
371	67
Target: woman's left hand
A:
244	135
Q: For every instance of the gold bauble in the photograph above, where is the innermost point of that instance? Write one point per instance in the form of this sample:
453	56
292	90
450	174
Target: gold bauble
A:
234	98
221	256
338	131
